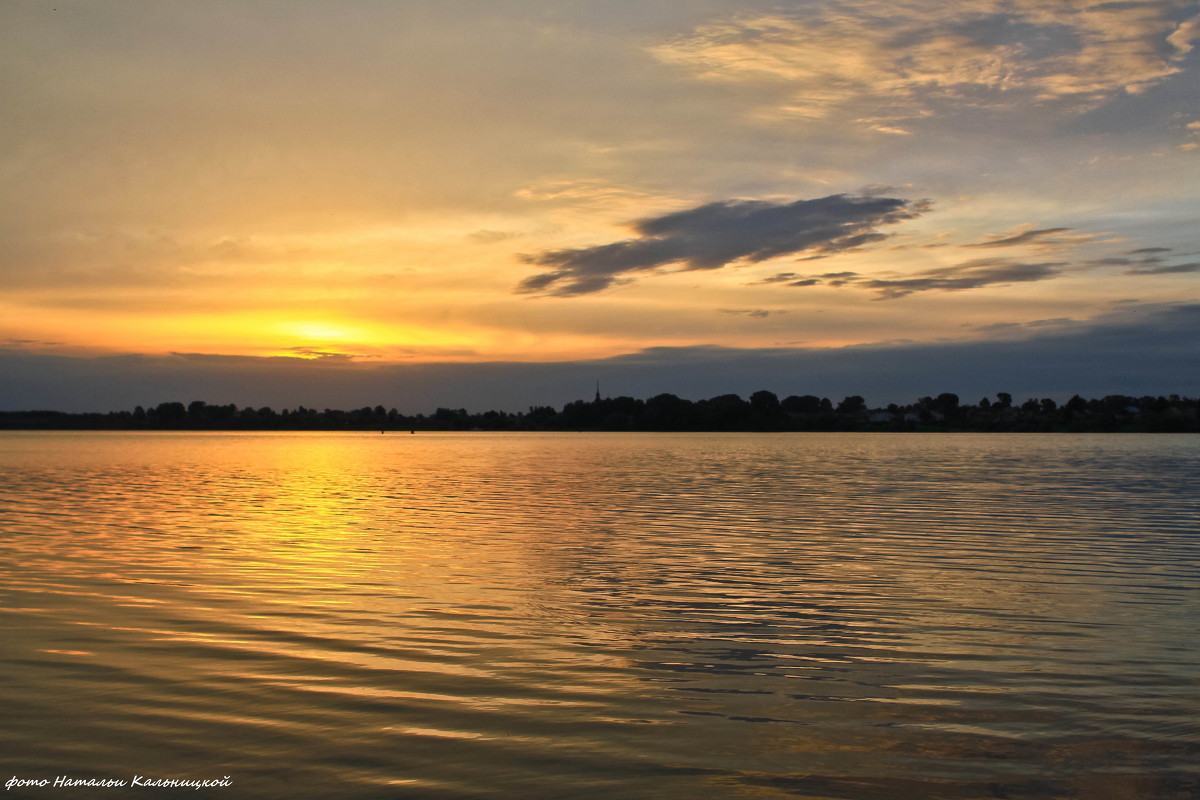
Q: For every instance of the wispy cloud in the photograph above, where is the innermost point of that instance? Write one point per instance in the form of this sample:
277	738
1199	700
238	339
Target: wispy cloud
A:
757	313
1039	236
969	275
1166	269
1183	36
972	275
325	355
901	58
490	236
1056	323
718	234
1151	261
587	192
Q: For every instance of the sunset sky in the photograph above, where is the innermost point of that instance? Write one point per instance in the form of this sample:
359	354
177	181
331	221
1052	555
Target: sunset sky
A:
492	204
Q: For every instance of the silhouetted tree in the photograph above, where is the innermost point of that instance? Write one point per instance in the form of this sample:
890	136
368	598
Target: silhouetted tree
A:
946	403
766	412
723	412
806	404
852	405
668	412
727	412
170	413
764	402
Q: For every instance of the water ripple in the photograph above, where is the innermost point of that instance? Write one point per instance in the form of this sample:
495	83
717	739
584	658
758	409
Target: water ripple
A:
549	616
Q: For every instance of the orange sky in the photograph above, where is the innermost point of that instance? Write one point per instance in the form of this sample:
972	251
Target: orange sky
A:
540	181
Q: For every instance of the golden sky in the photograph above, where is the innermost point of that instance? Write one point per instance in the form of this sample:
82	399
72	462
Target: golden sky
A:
441	181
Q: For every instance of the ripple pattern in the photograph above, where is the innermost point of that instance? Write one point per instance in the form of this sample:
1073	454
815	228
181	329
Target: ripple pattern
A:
594	615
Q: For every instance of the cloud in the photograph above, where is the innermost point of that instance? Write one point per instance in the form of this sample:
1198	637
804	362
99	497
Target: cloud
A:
1060	323
1171	269
796	279
971	275
1040	236
757	313
715	235
299	355
1183	36
587	192
490	237
785	277
1152	261
325	355
1120	261
979	273
968	275
905	58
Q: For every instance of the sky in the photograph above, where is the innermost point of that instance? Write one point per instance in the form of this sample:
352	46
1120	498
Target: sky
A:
423	203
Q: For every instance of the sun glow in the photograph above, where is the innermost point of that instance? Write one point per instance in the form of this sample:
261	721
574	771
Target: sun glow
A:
319	331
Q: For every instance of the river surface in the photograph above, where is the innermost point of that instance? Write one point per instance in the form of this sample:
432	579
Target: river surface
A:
551	616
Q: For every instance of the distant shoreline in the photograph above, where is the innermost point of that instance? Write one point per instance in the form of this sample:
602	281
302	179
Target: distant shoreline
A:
762	412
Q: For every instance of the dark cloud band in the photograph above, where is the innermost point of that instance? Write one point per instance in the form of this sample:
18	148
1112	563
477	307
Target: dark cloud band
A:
718	234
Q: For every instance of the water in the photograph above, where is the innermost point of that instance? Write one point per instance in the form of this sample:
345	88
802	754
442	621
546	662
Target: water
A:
602	616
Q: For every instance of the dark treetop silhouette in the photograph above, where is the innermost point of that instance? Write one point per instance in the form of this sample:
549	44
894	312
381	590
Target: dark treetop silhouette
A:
764	411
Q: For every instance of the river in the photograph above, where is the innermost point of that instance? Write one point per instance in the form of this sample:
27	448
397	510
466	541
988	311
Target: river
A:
566	615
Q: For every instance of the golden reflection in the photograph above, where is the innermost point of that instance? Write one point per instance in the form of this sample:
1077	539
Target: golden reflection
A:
771	612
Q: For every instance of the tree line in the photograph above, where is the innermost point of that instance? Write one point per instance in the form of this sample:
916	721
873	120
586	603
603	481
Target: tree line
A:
762	411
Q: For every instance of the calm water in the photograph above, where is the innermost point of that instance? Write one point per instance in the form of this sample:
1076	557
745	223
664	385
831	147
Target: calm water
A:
602	616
